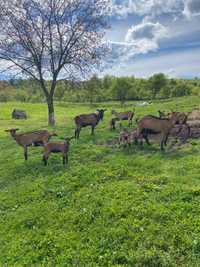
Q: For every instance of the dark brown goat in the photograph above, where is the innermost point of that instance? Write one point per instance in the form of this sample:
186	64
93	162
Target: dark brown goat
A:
36	138
57	147
85	120
154	125
121	116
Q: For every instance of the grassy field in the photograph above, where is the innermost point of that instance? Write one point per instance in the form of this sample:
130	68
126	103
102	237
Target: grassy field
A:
108	207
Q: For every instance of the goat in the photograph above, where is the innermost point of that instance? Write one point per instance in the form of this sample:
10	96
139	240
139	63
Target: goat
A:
19	114
124	138
57	147
154	125
127	137
121	116
36	138
85	120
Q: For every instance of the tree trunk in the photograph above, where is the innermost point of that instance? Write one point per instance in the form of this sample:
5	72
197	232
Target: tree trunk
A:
51	119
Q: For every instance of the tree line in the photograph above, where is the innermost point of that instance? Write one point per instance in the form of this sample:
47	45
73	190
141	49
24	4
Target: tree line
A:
95	89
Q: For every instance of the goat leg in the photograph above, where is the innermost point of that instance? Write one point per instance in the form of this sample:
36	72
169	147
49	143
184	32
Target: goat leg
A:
146	139
66	159
92	132
45	159
25	153
166	139
163	138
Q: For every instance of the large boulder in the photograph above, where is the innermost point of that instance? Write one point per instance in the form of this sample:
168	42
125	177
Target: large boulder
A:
19	114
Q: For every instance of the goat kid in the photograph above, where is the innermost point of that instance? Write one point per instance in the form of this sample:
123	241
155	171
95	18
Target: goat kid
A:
57	147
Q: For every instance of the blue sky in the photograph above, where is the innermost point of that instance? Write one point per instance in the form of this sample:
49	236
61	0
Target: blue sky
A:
151	36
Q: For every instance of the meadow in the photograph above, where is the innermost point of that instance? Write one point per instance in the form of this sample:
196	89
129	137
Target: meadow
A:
108	206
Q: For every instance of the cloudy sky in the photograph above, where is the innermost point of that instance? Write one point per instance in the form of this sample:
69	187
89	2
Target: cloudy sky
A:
151	36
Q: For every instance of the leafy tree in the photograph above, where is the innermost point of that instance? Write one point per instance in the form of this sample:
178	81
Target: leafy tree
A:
157	82
51	39
121	89
181	89
92	88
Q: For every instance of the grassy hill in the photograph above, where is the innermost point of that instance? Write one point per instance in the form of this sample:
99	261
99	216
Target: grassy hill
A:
108	207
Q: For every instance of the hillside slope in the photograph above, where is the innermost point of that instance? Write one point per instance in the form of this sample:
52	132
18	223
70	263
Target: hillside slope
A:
108	207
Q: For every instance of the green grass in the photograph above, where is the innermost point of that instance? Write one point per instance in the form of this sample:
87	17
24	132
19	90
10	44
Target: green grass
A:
108	207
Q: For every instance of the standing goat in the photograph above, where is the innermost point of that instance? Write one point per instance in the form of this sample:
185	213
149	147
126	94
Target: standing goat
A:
121	116
57	147
37	138
85	120
154	125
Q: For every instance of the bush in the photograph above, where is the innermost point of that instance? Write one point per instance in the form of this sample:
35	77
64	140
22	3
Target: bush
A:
181	89
4	97
21	96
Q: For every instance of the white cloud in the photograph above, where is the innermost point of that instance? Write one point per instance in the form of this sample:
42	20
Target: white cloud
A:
140	39
146	36
192	8
146	7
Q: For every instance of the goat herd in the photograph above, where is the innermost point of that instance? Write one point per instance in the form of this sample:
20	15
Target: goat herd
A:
148	125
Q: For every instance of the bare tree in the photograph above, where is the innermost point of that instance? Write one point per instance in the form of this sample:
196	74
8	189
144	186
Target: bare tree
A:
52	39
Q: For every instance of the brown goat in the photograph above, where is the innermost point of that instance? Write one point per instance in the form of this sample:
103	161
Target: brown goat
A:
85	120
36	138
154	125
124	138
127	138
121	116
57	147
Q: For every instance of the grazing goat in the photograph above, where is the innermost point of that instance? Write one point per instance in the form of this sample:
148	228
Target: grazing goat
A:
127	138
36	138
154	125
124	138
57	147
88	120
121	116
19	114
